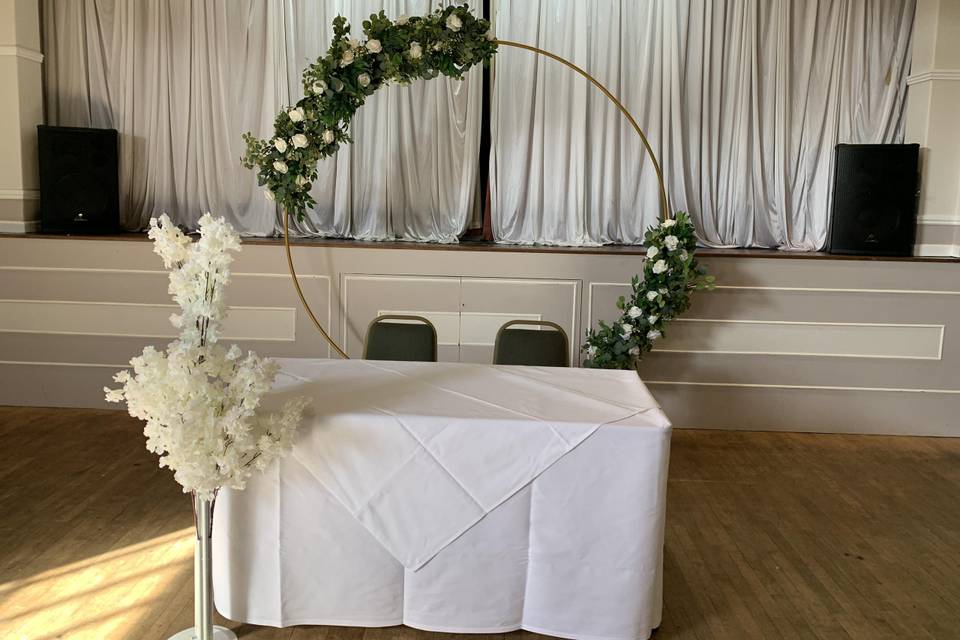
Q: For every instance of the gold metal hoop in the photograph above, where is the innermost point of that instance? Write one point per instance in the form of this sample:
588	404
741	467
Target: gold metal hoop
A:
664	203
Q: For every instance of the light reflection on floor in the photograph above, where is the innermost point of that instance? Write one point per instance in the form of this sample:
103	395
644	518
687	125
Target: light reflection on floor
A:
105	596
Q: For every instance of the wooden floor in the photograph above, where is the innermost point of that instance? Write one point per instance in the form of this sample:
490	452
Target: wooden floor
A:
768	536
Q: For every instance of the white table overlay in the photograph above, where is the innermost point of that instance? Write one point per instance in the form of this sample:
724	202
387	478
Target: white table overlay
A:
454	497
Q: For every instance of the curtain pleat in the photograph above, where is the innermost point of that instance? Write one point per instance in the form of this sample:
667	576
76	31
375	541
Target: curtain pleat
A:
182	80
743	102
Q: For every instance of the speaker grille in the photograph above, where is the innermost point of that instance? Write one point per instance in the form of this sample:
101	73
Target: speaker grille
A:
874	199
79	187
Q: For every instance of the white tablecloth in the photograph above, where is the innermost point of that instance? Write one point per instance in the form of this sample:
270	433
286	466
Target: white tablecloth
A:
454	497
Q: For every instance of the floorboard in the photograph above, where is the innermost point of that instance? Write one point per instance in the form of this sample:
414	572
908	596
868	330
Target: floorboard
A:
769	535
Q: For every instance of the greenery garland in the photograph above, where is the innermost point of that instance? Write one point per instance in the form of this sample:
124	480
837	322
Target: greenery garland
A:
447	41
670	274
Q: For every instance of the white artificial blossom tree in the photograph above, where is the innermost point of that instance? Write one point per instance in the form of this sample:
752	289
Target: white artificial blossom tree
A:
199	399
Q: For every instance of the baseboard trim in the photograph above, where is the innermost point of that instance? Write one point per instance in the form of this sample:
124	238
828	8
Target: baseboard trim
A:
19	226
937	250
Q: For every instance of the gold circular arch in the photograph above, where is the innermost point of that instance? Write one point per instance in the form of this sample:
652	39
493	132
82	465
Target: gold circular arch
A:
664	203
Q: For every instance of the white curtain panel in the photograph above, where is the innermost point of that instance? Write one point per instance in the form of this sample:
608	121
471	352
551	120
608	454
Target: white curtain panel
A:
743	102
183	80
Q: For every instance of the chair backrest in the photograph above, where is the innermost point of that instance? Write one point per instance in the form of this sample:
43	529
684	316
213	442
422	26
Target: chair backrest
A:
414	339
538	347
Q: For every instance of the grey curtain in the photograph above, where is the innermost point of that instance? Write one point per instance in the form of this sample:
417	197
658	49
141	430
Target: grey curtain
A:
182	80
743	101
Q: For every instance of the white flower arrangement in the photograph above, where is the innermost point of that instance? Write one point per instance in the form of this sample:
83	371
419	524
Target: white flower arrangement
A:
669	276
199	399
447	41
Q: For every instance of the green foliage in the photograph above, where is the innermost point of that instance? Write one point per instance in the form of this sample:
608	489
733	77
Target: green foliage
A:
670	274
447	41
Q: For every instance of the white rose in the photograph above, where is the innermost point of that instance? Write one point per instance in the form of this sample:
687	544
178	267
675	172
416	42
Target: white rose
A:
671	242
634	351
652	295
634	312
280	166
402	19
653	334
627	329
269	195
301	181
653	319
669	222
489	35
415	50
354	43
373	46
280	144
659	266
299	141
453	22
363	80
319	87
296	115
328	137
347	58
652	252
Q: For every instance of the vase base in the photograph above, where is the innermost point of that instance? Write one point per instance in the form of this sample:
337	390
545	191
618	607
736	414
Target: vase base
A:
219	633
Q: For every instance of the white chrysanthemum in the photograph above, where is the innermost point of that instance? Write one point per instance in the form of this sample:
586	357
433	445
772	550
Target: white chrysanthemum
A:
374	46
634	312
416	51
453	22
652	252
671	242
659	266
299	141
199	399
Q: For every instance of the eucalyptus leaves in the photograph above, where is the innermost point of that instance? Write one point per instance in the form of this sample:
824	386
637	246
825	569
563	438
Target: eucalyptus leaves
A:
670	274
448	41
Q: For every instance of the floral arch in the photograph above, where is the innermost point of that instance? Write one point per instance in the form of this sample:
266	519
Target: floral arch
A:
449	41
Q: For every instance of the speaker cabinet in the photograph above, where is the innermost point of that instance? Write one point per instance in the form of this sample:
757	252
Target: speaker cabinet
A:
875	189
79	186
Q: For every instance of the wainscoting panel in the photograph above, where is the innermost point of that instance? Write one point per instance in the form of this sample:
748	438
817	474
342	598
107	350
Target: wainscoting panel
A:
364	296
786	343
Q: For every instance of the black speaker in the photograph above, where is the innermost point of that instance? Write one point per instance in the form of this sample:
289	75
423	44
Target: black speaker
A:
79	186
875	189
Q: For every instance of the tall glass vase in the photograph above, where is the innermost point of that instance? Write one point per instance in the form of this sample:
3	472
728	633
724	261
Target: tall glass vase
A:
203	627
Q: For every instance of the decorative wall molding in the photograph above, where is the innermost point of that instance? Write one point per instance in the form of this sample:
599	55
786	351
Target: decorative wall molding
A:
895	341
937	250
139	320
935	74
939	221
19	194
21	52
19	226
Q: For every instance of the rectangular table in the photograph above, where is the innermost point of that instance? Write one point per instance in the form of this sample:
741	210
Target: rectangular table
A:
454	497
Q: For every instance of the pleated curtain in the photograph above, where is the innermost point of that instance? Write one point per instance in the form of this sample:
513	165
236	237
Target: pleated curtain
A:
182	80
743	102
